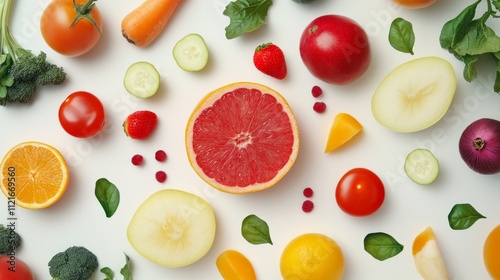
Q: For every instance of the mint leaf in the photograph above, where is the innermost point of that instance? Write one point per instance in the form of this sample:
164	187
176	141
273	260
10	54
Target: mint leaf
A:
245	16
401	36
382	246
108	196
463	216
255	230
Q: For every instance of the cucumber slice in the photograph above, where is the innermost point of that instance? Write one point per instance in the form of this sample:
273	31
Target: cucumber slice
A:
421	166
191	53
142	79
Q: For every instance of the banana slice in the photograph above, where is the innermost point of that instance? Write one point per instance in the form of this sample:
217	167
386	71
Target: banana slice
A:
415	95
427	256
172	228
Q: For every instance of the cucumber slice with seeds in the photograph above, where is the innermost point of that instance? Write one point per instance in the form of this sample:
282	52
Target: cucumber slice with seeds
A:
191	53
142	79
421	166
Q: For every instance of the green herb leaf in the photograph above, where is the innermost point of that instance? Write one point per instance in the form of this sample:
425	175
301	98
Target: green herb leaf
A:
245	16
463	216
108	273
401	36
108	196
382	246
455	29
255	230
126	270
479	39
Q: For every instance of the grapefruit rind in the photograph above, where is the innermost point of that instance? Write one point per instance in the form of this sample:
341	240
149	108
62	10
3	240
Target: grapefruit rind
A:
208	101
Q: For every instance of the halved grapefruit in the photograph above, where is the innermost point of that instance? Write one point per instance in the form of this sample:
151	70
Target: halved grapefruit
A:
242	138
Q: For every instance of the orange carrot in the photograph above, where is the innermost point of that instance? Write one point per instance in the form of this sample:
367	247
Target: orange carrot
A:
143	25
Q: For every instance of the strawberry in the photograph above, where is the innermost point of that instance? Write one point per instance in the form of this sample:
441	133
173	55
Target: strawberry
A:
140	124
270	60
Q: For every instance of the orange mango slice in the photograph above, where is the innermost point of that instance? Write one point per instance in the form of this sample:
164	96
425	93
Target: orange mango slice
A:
233	265
343	129
427	256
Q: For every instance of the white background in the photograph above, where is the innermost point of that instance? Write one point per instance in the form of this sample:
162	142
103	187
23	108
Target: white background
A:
78	219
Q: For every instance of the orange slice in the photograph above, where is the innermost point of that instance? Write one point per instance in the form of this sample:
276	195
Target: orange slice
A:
233	265
491	253
343	129
242	138
427	256
34	174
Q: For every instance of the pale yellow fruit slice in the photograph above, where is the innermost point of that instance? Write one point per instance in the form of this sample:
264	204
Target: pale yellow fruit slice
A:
172	228
415	95
427	256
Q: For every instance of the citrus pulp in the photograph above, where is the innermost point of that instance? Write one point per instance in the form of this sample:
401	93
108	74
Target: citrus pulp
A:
34	174
242	138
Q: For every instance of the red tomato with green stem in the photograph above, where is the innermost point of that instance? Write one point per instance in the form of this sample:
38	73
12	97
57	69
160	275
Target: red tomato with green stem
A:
82	114
13	268
71	28
360	192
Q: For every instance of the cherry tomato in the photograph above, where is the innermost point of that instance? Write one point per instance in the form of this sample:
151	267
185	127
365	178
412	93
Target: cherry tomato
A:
13	268
335	49
63	37
360	192
81	114
415	4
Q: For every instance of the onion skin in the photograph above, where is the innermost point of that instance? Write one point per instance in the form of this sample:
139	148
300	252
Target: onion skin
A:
479	146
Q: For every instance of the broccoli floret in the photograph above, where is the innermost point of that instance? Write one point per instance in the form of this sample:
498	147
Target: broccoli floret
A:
75	263
20	92
9	240
28	67
51	74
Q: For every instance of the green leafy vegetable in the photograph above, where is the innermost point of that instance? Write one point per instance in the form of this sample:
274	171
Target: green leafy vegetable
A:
463	216
126	270
245	16
382	246
467	37
108	196
255	230
108	272
401	36
21	71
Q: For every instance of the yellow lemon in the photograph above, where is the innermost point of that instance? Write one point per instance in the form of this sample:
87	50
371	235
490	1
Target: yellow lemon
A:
312	256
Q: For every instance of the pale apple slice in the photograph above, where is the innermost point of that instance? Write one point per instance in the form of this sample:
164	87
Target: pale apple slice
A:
415	95
172	228
427	256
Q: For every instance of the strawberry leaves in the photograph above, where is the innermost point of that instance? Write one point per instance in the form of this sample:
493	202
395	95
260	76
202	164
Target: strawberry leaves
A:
245	16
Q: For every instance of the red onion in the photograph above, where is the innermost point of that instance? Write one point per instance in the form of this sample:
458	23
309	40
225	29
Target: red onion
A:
479	146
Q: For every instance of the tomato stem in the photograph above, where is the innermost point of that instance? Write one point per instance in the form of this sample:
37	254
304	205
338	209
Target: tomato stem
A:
83	12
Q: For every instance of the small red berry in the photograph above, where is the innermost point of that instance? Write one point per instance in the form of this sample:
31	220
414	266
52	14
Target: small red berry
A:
137	160
160	155
316	91
319	107
308	192
161	176
307	206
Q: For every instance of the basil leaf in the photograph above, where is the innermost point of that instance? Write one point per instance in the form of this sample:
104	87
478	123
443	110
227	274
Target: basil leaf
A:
496	86
382	246
479	39
455	29
126	270
255	230
108	196
401	36
245	16
463	216
108	273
